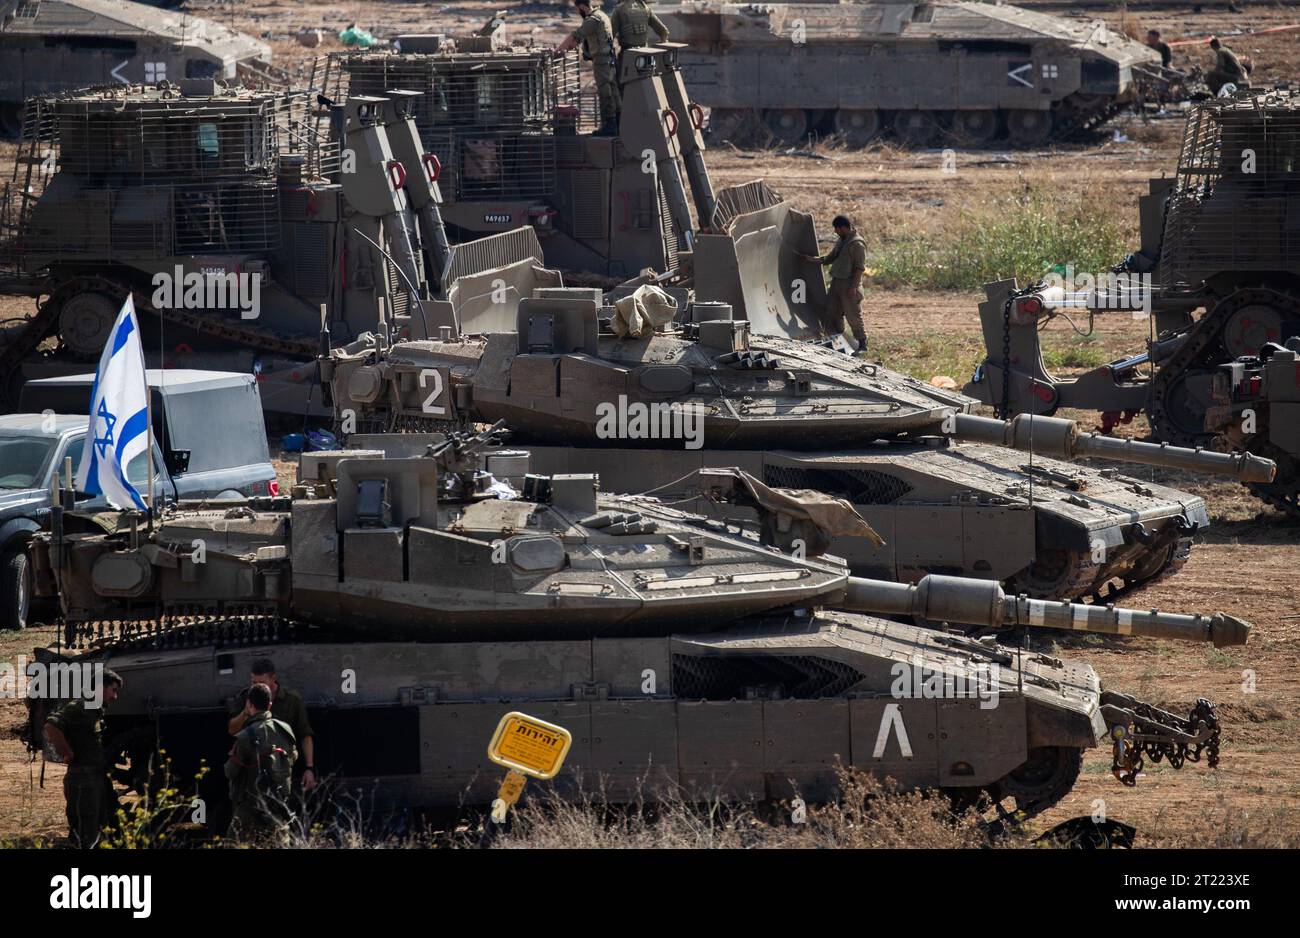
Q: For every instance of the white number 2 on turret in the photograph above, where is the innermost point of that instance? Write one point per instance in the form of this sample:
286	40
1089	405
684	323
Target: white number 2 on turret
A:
431	405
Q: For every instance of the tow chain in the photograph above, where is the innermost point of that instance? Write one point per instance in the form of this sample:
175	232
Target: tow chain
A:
1138	729
1004	412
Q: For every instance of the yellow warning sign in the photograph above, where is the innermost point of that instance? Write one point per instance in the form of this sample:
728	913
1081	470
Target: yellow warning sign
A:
532	746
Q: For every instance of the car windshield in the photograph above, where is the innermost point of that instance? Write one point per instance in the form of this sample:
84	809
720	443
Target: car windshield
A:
22	458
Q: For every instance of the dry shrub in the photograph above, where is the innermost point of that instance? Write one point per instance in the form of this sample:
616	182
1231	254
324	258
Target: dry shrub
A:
873	814
868	813
1223	826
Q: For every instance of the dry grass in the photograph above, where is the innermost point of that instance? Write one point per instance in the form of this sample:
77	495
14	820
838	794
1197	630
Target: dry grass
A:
868	814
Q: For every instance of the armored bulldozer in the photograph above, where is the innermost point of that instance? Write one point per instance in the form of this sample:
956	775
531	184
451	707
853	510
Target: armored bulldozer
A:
968	73
1216	236
240	231
515	136
59	45
951	492
683	656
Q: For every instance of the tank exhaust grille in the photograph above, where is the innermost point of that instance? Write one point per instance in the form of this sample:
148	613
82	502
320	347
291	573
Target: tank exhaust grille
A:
857	486
734	677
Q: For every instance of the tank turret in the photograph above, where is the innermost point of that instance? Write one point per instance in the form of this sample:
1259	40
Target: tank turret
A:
742	391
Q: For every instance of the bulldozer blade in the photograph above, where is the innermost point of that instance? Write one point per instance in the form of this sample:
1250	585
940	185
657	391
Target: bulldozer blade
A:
486	278
755	266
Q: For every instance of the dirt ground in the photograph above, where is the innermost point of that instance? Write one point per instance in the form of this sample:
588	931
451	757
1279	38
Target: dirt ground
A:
1246	565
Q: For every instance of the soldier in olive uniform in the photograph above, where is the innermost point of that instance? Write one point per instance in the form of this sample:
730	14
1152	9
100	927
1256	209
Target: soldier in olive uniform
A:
260	766
1155	42
74	732
848	262
288	708
1227	68
632	21
597	38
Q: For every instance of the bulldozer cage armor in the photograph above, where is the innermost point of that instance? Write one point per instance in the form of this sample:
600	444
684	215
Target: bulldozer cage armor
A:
1245	150
158	173
496	120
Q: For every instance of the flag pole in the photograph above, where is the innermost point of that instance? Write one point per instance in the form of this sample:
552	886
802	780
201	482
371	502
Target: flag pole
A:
148	419
148	413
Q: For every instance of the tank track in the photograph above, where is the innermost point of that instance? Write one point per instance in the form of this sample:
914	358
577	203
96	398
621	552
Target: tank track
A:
1036	797
1203	348
1283	493
1081	584
44	325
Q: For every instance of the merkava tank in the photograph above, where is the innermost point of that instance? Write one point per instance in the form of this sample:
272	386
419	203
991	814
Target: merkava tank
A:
1216	236
59	45
968	73
683	656
951	492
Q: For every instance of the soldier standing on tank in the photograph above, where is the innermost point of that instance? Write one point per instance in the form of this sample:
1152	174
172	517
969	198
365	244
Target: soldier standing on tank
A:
74	730
597	38
848	262
289	708
263	742
1227	68
1154	41
632	21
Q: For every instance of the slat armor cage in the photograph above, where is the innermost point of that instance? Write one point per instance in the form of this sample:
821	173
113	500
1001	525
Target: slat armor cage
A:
1244	151
495	119
148	172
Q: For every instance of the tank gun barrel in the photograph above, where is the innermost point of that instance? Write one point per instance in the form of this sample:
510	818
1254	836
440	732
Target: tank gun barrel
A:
1062	439
983	602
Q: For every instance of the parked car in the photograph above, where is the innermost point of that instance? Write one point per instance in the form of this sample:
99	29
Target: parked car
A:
209	442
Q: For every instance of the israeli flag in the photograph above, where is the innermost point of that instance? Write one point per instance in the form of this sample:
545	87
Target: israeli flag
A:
119	416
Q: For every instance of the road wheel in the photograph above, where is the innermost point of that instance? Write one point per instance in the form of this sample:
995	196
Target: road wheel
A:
1055	574
85	322
15	588
1029	128
916	128
787	125
1042	779
1250	327
858	126
731	125
974	128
